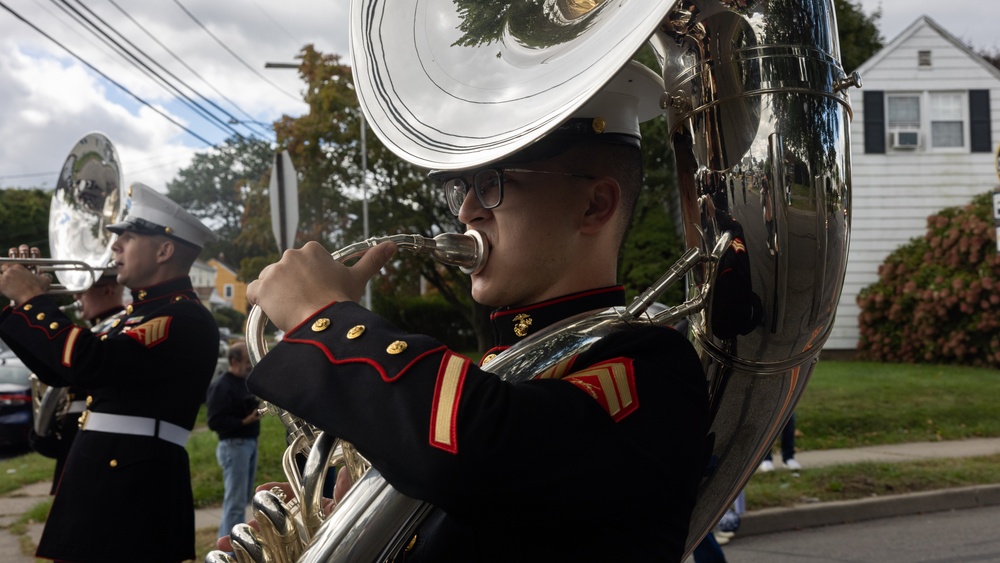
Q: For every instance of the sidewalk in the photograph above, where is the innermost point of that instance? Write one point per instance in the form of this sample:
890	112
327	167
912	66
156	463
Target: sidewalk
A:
770	520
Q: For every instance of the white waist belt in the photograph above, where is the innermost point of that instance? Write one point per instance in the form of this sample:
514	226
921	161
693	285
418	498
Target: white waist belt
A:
137	426
77	407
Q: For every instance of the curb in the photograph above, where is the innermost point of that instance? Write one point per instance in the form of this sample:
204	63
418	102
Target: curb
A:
773	520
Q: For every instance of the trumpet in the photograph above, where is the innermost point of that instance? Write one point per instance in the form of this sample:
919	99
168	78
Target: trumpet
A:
45	266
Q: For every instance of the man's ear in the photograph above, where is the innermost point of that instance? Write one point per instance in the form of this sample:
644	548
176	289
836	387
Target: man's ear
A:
165	251
605	197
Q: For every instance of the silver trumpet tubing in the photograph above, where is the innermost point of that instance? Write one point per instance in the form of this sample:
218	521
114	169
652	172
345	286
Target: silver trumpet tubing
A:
758	112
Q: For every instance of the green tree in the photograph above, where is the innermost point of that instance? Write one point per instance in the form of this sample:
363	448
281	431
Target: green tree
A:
218	185
325	147
859	35
24	218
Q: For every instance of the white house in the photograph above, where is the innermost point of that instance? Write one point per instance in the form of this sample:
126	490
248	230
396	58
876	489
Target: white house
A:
924	132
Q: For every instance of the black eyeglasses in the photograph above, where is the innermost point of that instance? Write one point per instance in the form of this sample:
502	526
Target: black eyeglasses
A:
488	184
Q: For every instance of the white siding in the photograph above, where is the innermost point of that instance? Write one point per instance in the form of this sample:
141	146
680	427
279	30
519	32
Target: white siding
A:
894	193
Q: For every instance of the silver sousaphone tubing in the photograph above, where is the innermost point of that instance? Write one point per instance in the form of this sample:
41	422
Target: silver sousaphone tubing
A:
758	111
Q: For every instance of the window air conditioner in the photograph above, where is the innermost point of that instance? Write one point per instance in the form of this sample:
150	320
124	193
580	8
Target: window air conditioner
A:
905	139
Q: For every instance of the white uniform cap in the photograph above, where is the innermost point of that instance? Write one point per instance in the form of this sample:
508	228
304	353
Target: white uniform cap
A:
148	212
631	97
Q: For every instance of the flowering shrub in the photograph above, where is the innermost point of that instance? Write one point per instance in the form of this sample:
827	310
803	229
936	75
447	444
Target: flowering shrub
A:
938	297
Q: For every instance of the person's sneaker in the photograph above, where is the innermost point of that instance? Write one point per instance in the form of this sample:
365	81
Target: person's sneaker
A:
722	540
766	466
792	464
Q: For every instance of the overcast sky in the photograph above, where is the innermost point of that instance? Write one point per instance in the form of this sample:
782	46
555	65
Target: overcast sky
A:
49	99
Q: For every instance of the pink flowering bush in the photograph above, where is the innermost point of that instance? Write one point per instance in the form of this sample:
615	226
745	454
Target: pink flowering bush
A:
938	297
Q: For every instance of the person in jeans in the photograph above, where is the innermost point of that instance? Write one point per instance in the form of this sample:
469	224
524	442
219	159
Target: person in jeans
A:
232	414
787	449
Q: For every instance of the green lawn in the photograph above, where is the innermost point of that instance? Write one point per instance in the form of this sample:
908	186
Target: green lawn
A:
846	404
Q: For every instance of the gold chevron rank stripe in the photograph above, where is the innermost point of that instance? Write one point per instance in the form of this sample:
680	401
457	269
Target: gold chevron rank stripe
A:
447	391
610	383
559	370
151	333
67	357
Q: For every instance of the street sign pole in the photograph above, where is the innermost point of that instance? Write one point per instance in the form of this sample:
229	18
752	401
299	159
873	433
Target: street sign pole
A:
284	194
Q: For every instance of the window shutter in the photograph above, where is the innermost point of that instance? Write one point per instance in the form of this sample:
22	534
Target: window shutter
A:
979	121
874	101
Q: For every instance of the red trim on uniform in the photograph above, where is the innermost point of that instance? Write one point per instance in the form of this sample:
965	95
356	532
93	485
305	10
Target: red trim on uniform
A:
48	332
612	384
571	297
311	317
375	365
447	395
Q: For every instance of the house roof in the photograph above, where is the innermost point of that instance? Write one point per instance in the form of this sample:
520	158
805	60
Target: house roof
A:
919	23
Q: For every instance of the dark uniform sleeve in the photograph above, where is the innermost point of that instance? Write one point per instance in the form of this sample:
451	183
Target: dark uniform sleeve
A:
442	430
62	353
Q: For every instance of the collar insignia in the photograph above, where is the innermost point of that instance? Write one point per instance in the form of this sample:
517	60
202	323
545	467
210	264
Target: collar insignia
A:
521	324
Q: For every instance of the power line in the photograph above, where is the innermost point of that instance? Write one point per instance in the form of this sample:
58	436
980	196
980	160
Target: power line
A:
185	65
231	52
132	59
105	76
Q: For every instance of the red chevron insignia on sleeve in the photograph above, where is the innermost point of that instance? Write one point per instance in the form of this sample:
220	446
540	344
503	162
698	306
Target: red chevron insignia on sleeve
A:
150	333
447	392
610	383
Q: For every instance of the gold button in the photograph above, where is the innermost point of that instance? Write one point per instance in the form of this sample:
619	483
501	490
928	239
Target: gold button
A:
116	322
40	316
598	124
128	310
81	422
28	307
178	298
104	337
142	294
90	399
167	230
356	332
320	325
396	347
488	358
54	325
114	463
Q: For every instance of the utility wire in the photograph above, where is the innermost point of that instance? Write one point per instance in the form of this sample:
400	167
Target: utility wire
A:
193	71
105	76
231	52
142	66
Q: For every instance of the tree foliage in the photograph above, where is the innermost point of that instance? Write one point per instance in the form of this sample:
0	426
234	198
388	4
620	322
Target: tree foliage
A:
859	35
223	186
936	299
24	218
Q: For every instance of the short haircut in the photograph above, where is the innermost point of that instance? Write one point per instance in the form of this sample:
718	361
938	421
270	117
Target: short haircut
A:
621	162
237	352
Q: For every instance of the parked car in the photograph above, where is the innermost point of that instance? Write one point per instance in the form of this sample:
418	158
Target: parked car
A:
15	399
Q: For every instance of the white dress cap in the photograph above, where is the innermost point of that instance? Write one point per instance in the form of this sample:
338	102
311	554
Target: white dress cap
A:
149	212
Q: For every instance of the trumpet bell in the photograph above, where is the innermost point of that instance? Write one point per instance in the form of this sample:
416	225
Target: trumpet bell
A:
86	199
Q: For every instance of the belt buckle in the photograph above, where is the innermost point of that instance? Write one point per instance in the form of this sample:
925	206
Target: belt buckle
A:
82	421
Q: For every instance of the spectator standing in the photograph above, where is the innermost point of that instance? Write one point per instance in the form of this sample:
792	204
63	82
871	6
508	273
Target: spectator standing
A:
233	415
787	449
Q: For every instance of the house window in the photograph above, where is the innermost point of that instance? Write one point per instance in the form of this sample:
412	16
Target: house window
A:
227	291
947	115
904	112
924	58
